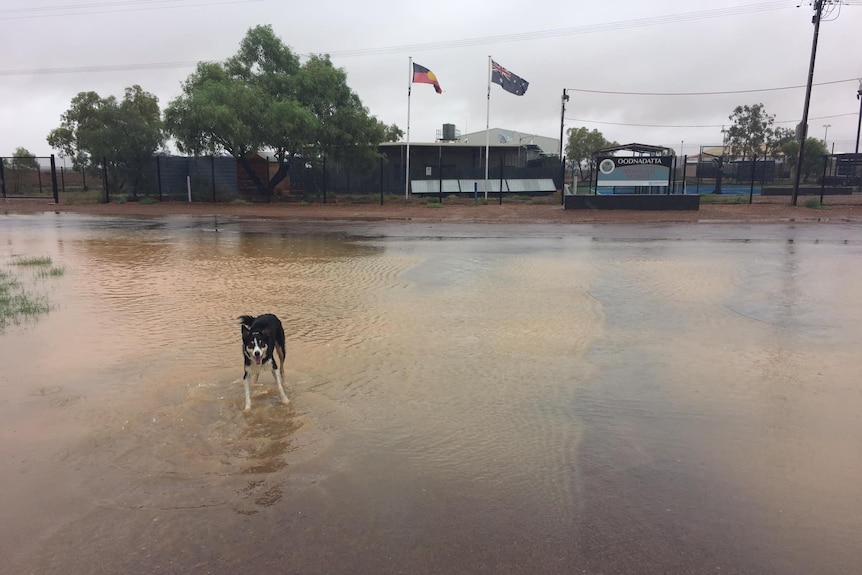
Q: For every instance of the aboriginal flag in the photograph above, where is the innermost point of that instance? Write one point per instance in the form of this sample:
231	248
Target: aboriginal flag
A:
422	75
510	82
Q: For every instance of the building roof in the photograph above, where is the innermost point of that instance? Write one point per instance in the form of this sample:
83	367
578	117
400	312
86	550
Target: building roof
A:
503	136
497	138
633	147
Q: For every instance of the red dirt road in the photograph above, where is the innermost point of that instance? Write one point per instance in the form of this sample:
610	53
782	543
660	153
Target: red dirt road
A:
846	209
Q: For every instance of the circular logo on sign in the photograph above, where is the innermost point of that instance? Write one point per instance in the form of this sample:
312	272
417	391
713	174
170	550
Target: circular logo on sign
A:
606	166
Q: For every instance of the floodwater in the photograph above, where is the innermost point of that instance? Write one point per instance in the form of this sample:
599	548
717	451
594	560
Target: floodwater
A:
465	399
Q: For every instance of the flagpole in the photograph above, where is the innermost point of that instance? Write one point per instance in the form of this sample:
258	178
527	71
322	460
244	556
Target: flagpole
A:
407	169
488	128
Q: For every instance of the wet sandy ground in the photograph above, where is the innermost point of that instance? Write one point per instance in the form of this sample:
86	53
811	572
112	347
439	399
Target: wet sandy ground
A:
836	209
657	398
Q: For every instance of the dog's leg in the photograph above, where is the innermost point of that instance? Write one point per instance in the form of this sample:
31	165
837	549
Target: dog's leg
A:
247	392
245	383
278	372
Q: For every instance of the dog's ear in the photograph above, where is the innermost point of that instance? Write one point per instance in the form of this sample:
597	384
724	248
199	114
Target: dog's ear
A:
265	332
245	321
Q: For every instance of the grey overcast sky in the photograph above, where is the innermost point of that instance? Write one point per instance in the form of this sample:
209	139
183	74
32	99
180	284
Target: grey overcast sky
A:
54	49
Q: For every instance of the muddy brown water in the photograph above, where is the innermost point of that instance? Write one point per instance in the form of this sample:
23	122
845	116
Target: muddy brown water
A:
465	399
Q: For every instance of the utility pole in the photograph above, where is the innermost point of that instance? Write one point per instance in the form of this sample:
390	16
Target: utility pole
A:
562	146
859	121
803	132
858	127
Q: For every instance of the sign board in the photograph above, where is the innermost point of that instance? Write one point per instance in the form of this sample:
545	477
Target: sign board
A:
634	171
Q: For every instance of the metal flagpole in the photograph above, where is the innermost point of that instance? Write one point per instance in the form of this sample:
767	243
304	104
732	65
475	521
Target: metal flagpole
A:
488	129
407	169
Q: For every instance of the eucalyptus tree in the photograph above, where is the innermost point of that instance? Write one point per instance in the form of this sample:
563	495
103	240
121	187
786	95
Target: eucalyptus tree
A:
265	100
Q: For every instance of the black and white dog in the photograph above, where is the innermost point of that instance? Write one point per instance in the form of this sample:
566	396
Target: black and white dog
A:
262	344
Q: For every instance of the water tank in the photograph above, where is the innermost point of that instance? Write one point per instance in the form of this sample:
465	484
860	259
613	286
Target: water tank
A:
448	131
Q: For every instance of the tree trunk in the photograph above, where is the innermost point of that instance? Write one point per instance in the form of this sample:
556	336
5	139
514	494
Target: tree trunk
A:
277	177
246	165
267	189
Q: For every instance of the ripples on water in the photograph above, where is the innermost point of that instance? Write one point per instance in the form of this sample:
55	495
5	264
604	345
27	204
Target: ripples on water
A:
548	389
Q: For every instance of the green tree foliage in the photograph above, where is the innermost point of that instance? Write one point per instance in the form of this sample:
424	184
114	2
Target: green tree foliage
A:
22	159
750	132
18	170
812	156
581	144
263	100
779	138
126	133
392	133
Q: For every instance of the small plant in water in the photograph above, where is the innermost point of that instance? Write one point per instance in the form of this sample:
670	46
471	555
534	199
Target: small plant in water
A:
33	261
15	303
52	272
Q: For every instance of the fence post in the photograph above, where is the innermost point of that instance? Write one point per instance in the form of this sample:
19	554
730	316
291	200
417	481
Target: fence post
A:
159	176
753	174
212	175
381	180
671	176
54	180
698	169
823	177
63	178
2	179
563	182
440	173
684	168
324	179
501	179
105	179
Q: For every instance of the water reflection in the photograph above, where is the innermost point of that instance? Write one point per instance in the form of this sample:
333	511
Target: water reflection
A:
518	399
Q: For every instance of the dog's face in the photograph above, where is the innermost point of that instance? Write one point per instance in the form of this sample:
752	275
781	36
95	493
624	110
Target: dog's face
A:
256	344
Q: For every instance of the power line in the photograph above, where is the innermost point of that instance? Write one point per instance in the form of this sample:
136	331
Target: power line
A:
108	8
66	8
106	68
716	93
627	124
575	31
126	6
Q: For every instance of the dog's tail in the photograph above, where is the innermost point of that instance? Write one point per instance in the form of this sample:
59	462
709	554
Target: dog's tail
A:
245	321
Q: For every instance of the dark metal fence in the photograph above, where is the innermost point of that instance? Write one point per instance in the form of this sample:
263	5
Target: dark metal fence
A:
223	178
766	180
28	177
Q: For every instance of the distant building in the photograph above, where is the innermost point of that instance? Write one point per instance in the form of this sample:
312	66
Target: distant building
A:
460	157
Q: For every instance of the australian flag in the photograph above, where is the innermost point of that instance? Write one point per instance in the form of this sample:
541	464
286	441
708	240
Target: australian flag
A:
510	82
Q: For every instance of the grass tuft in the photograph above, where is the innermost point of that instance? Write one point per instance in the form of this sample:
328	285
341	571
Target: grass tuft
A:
723	199
33	261
814	203
15	304
52	272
